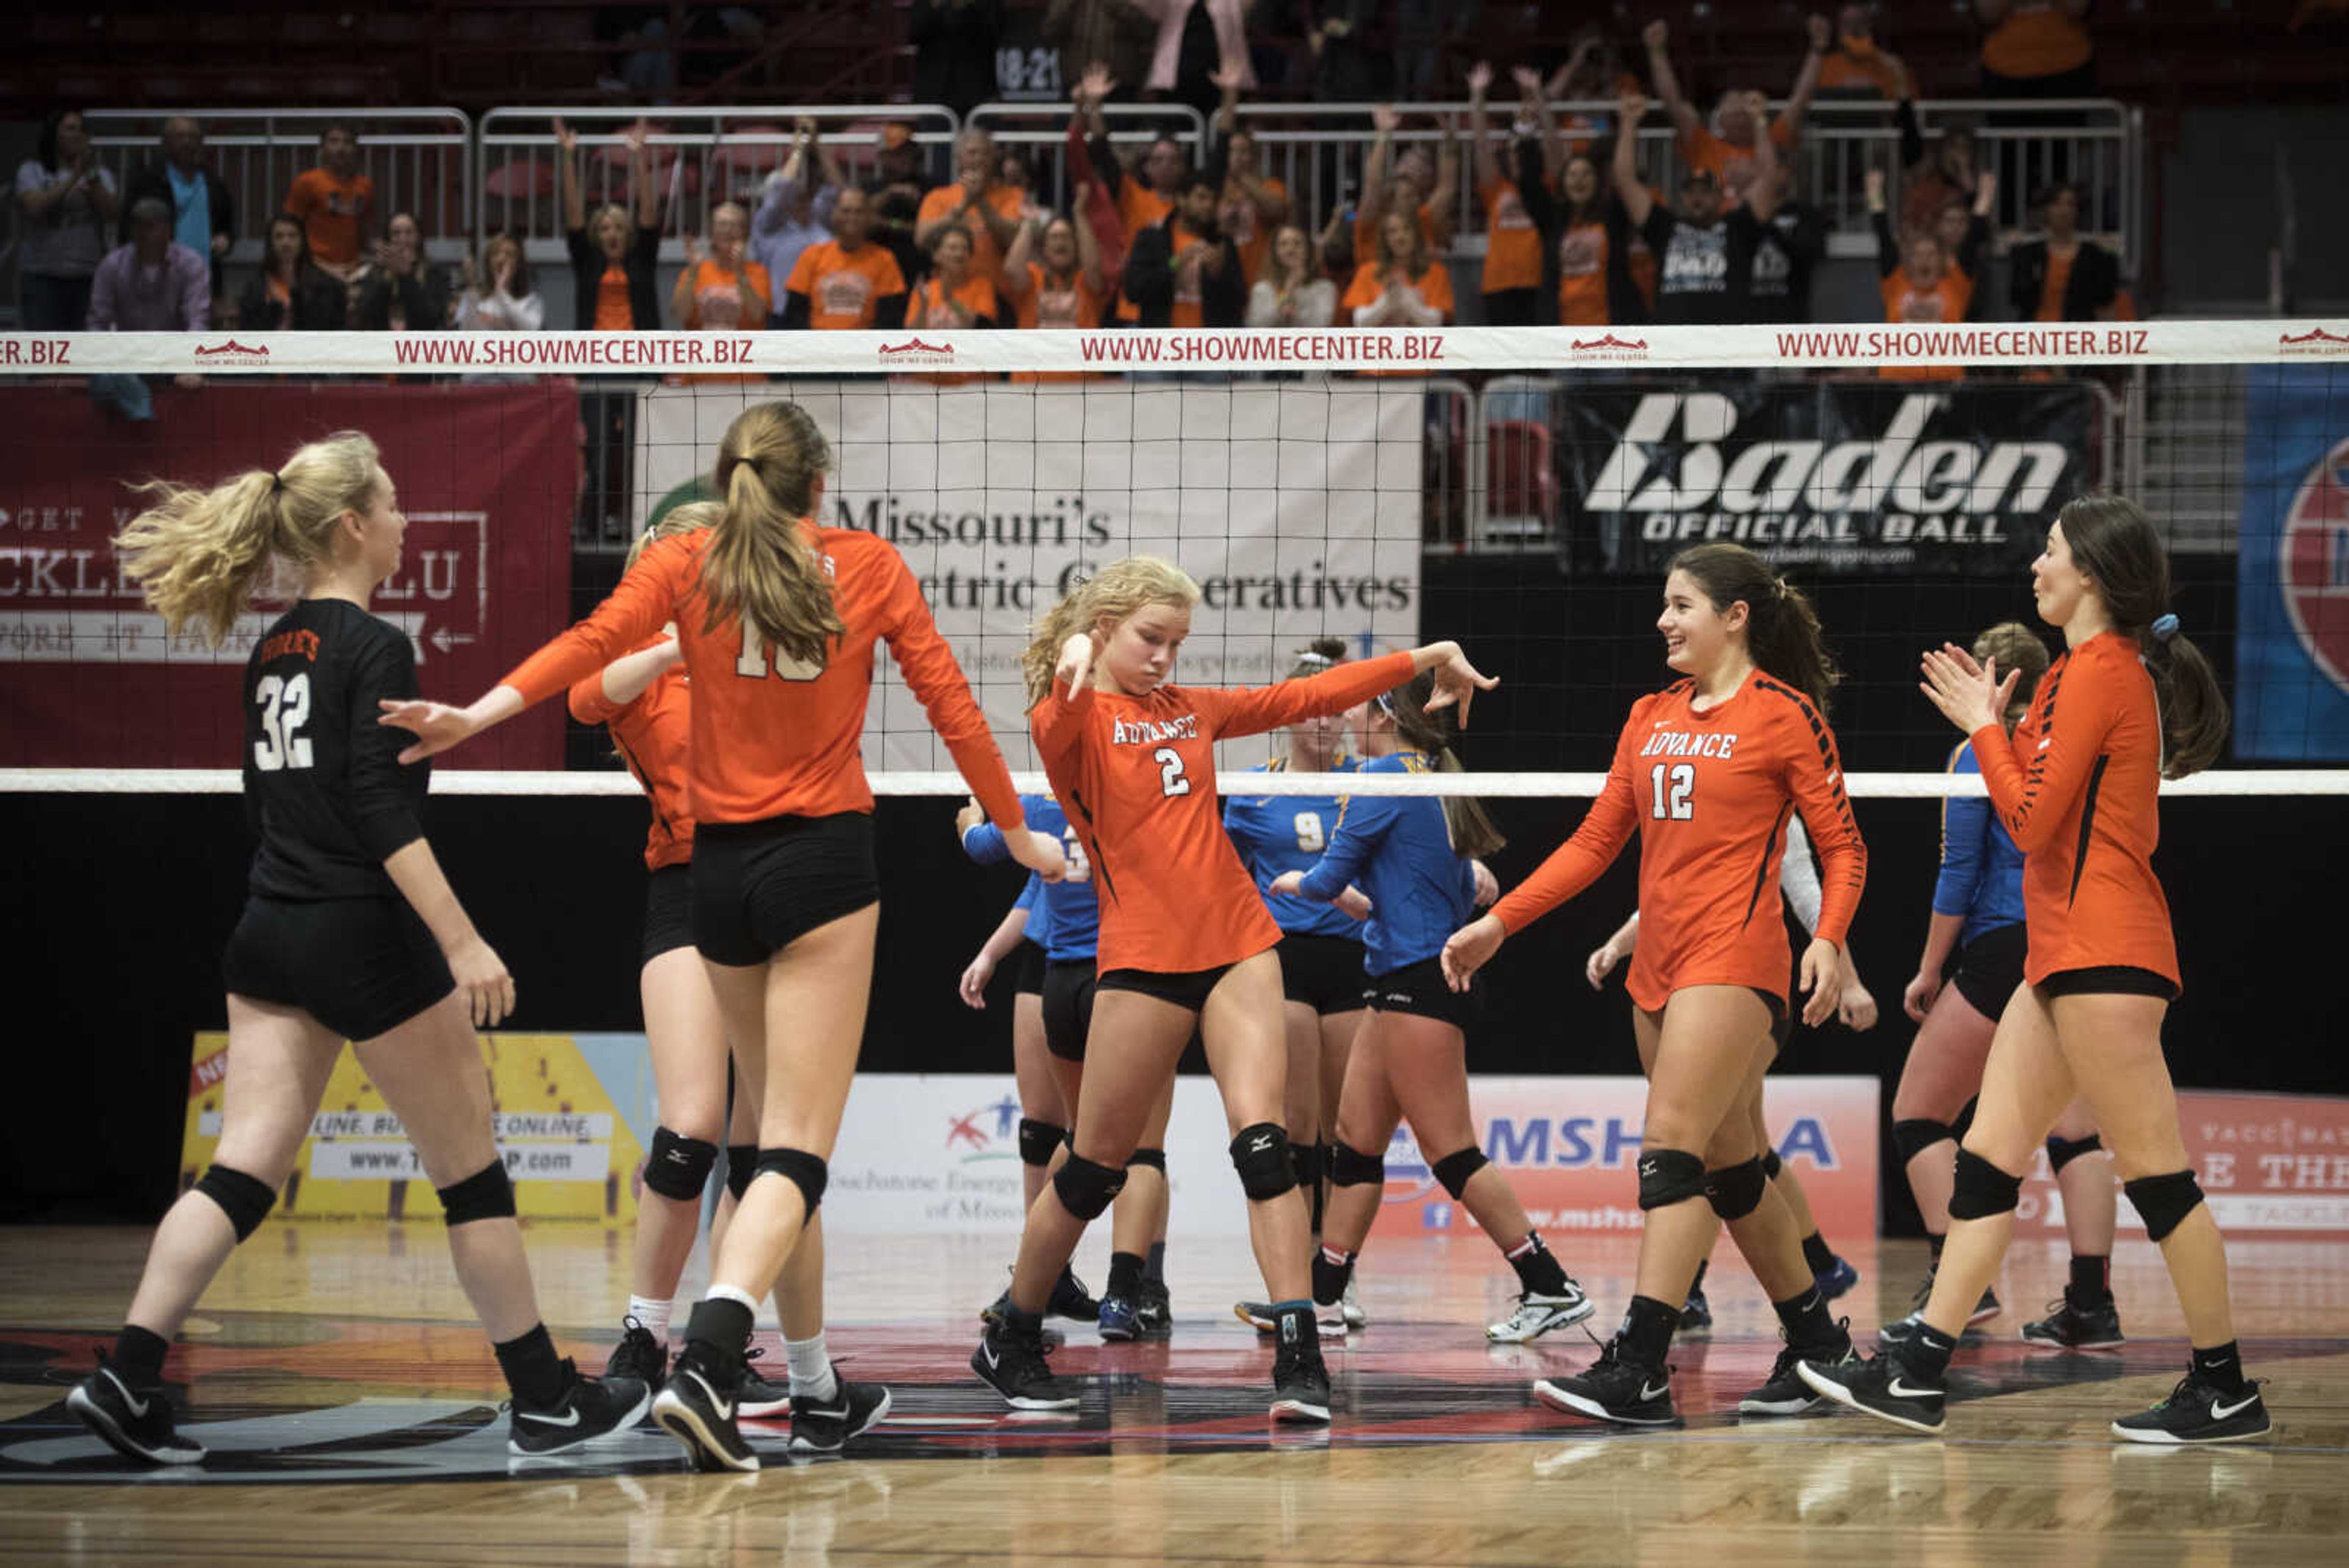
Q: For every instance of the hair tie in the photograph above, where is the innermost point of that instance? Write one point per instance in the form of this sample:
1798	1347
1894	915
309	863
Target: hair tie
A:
277	487
1783	590
2165	628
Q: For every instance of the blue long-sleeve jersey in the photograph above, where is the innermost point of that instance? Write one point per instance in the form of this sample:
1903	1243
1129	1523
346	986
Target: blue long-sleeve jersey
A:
1277	832
1072	913
1982	870
1396	850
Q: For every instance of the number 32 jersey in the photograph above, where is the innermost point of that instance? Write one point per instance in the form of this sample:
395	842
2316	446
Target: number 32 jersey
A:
1137	777
1708	794
323	788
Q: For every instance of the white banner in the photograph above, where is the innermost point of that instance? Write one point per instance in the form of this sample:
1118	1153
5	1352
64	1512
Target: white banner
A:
1297	508
1440	351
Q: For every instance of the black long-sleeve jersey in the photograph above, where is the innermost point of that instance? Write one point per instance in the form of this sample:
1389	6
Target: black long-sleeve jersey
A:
323	788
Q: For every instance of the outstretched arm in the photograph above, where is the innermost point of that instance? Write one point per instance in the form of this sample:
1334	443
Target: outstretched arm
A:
1807	80
566	178
1629	190
1657	34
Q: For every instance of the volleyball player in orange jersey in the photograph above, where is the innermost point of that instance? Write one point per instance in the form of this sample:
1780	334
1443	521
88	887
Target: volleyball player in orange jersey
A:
1185	940
1707	771
778	617
2128	703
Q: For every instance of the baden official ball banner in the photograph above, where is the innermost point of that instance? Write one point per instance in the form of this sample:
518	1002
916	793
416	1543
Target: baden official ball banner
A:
2292	593
1824	477
487	476
1297	508
2272	1167
571	1120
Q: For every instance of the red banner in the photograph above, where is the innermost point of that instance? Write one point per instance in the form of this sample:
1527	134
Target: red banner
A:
488	476
2272	1167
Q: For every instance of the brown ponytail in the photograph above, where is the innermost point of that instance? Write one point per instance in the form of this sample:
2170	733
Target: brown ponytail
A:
1322	653
2114	543
1465	822
760	566
199	554
1783	635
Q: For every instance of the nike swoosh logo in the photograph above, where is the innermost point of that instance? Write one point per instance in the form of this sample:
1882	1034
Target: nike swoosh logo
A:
725	1411
993	1360
137	1406
2224	1412
570	1420
1658	1392
1900	1390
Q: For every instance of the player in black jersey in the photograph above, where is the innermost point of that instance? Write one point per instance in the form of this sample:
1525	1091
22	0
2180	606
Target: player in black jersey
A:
350	931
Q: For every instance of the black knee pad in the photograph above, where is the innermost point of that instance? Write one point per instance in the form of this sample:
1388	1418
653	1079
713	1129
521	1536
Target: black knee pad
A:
679	1167
1038	1139
1736	1191
1983	1189
1669	1175
1155	1158
2063	1151
741	1165
1913	1138
802	1170
1260	1154
487	1194
1963	1122
2164	1202
246	1199
1087	1189
1453	1171
1305	1162
1351	1167
1770	1163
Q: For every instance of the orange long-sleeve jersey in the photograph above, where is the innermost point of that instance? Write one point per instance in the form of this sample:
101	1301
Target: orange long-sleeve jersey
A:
1137	778
2079	789
1708	793
768	737
654	734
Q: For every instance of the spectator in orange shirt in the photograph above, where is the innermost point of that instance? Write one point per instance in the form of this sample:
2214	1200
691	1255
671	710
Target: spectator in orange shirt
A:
1413	186
1253	203
334	202
1921	286
1053	279
612	262
1406	287
724	290
849	283
1184	272
955	294
977	203
1585	248
2064	276
1961	234
1858	66
2036	48
1511	289
1726	151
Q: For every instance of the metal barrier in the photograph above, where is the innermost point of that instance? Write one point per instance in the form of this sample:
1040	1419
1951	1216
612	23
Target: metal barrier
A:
420	160
702	156
1130	125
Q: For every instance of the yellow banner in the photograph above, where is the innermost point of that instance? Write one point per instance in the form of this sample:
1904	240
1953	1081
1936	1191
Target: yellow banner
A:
566	1146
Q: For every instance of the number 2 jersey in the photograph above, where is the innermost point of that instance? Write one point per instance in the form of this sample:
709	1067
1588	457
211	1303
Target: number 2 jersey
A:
2079	788
1710	794
324	786
770	738
1137	777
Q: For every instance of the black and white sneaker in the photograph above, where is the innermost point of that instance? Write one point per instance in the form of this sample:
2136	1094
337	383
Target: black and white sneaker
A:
1881	1387
697	1407
1257	1316
853	1410
1613	1389
1069	1299
135	1422
1786	1392
761	1399
2198	1411
2097	1326
639	1357
1300	1380
1984	1309
1696	1313
590	1407
1013	1365
1154	1310
1537	1314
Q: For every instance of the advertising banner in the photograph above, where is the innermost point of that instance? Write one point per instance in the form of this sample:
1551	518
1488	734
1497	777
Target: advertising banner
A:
486	475
1297	508
1824	477
2292	582
2272	1167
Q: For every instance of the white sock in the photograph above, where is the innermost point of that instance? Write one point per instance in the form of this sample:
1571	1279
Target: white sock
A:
811	1365
729	1293
653	1315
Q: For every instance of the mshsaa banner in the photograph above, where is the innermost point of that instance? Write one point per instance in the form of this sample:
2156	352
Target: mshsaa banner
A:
1297	508
2291	592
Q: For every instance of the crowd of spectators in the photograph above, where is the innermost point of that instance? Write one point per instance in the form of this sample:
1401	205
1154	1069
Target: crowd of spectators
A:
1572	230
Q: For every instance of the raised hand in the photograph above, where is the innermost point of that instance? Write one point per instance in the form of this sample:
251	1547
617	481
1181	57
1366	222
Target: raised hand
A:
1479	77
1457	682
1529	80
1656	35
1632	105
1385	118
565	139
636	134
971	814
1822	32
1094	85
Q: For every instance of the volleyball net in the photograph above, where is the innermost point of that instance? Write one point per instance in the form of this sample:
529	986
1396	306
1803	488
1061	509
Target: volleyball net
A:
1520	490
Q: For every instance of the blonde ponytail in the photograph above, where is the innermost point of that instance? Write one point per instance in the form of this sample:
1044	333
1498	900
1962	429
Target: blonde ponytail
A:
1111	593
200	554
760	566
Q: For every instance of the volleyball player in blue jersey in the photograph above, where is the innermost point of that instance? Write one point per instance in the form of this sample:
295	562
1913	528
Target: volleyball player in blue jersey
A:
1412	857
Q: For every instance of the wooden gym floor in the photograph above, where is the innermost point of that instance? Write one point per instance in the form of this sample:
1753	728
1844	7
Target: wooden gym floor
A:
350	1405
